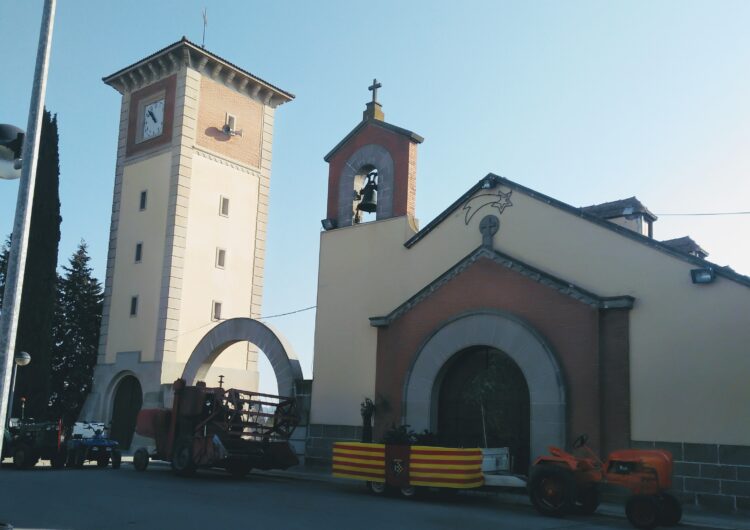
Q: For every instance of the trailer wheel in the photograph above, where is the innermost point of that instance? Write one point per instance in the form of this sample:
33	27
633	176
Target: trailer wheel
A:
182	458
378	488
587	500
140	459
22	457
642	511
116	459
670	510
551	490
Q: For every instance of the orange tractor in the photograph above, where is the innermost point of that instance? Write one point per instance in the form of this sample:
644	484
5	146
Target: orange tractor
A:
562	482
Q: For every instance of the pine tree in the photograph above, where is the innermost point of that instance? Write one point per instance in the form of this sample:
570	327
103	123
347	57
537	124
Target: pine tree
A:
76	332
4	256
40	276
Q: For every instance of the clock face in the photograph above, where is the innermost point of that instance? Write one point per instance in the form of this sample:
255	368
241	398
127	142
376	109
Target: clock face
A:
153	119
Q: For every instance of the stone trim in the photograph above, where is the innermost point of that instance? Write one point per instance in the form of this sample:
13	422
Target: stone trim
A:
562	286
514	337
219	159
714	476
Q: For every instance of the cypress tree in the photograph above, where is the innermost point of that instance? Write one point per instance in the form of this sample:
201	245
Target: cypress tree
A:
38	297
76	332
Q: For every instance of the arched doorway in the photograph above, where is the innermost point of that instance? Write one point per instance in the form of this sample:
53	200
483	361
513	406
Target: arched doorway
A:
126	404
483	401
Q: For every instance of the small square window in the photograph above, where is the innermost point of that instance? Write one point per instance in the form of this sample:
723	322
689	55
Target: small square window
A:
221	258
138	252
133	306
231	122
143	199
224	206
216	310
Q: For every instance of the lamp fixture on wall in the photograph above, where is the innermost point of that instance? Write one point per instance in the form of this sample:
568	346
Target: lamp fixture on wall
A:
706	275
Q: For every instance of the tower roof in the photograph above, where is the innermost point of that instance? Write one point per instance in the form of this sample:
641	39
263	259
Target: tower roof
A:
183	52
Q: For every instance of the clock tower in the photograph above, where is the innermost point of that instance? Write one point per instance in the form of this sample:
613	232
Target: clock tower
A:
188	227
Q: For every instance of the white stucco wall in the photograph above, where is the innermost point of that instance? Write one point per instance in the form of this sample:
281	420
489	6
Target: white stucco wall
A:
688	343
139	279
203	282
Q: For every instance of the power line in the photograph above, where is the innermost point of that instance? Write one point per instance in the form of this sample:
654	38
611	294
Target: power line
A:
288	313
699	214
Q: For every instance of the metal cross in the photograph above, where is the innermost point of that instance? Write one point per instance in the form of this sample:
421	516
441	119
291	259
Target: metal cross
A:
374	89
488	227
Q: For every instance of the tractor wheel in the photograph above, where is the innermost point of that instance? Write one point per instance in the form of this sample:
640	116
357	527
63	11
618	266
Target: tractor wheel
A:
670	510
551	490
643	511
22	457
79	457
58	459
182	457
378	488
587	500
116	459
140	459
103	460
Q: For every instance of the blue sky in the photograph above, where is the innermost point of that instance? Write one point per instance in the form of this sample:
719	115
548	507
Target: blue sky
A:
584	101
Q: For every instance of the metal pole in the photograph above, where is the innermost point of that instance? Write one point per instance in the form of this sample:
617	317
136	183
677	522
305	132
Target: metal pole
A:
10	395
19	243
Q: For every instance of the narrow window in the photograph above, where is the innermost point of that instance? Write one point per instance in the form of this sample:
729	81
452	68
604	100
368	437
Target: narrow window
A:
221	257
231	123
133	306
216	311
224	206
142	203
138	252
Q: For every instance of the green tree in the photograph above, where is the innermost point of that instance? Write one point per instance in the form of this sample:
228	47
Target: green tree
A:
4	256
38	297
76	332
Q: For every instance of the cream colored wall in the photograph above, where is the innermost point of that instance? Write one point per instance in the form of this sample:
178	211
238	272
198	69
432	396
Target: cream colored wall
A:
202	281
688	348
139	279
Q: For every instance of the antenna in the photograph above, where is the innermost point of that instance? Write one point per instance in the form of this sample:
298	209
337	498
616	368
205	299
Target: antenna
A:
205	23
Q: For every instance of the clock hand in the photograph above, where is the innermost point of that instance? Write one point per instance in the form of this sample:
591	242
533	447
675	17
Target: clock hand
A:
151	113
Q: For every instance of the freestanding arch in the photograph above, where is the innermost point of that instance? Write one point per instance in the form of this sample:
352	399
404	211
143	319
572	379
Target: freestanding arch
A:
279	352
508	334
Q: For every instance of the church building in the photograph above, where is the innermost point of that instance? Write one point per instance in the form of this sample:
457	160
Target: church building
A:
515	320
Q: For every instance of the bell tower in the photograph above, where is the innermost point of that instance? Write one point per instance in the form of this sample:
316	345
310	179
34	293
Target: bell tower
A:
188	228
372	170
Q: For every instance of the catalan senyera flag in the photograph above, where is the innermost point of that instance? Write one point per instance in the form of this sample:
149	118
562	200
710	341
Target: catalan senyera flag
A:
440	467
445	467
360	461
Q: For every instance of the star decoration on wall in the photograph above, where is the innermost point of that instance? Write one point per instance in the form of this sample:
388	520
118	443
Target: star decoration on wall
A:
498	200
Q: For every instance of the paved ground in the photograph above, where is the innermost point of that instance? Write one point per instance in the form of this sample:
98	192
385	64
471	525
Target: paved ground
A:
124	499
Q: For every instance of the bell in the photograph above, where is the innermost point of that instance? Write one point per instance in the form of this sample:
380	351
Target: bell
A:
369	194
369	202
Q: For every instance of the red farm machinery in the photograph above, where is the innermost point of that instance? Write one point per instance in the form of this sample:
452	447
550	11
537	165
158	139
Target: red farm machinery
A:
236	430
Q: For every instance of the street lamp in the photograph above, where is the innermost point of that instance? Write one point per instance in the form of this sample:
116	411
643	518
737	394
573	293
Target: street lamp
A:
19	243
21	359
11	146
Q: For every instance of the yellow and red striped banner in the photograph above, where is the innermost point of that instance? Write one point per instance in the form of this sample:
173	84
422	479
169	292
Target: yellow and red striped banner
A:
445	467
360	461
441	467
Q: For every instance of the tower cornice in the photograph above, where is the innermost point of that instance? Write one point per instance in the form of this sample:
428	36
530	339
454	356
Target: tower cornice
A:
168	60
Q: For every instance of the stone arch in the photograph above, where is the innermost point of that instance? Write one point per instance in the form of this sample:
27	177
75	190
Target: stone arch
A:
273	345
520	342
370	155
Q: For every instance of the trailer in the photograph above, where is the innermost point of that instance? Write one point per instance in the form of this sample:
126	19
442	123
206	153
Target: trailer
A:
236	430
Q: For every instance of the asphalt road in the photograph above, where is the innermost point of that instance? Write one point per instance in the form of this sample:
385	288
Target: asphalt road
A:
96	499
